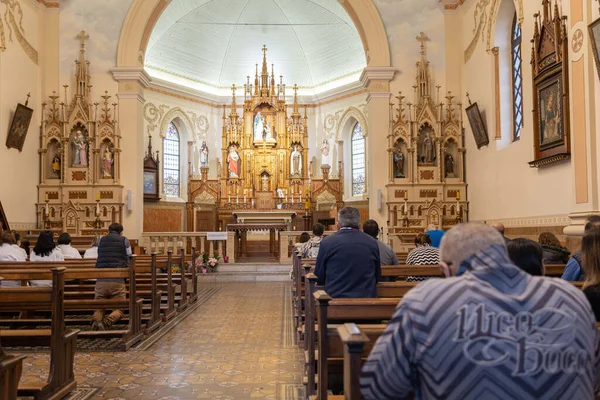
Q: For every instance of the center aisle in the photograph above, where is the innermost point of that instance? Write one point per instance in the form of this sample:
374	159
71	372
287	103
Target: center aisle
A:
237	345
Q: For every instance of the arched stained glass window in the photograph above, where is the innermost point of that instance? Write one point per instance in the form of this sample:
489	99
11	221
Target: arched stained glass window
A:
517	78
171	164
358	161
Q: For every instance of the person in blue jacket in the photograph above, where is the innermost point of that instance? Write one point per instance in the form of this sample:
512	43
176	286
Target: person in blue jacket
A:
573	271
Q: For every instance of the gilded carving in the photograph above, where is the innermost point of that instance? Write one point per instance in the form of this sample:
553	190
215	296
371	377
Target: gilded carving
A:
427	174
79	195
52	195
106	195
78	175
400	194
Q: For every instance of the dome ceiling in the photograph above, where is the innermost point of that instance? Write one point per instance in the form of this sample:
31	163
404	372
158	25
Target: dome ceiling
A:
211	44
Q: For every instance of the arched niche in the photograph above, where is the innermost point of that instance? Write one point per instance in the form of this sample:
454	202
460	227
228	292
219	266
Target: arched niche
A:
400	162
107	160
343	135
78	145
53	159
450	157
426	145
184	127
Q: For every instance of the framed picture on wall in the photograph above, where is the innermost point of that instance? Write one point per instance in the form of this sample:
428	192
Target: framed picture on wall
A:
18	128
594	29
551	115
477	125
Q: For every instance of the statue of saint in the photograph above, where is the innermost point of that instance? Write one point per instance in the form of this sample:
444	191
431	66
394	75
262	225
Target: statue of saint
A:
280	193
265	182
398	163
56	165
427	155
79	150
449	165
233	163
259	126
296	162
325	152
107	162
204	155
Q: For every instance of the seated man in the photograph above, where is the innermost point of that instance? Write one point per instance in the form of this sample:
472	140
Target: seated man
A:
573	271
64	244
113	252
490	330
348	263
435	234
386	253
310	249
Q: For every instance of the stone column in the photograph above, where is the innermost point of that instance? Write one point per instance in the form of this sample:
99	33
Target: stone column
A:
132	83
377	81
585	125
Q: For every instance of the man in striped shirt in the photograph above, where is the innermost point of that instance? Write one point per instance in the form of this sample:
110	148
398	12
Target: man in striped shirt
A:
488	331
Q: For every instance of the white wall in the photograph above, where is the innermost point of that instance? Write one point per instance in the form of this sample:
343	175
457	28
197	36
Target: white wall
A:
20	75
501	183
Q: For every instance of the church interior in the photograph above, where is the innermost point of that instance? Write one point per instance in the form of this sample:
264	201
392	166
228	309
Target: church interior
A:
216	132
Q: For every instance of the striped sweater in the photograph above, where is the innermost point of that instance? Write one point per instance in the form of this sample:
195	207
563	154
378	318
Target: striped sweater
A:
494	332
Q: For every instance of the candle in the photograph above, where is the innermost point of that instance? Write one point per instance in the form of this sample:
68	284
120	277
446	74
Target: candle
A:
47	208
97	196
229	199
286	199
237	200
244	197
252	203
97	208
457	196
46	197
292	199
405	195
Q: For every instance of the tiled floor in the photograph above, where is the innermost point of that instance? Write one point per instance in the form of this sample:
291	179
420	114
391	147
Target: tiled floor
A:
234	346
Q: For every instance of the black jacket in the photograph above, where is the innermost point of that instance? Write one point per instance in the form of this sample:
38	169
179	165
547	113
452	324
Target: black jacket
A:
348	264
555	255
593	295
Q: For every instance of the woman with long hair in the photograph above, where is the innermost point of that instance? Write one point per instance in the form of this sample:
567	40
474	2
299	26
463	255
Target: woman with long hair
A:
527	255
554	252
92	252
45	250
590	247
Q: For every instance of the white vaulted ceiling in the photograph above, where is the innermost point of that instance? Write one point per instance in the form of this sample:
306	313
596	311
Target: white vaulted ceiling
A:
211	44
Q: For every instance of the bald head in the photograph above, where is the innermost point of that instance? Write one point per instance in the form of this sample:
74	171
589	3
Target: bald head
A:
464	240
499	227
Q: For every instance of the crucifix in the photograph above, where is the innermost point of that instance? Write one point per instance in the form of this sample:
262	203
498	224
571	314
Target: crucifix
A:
265	183
83	36
423	38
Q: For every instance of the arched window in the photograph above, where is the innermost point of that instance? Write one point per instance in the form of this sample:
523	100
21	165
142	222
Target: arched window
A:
358	161
517	78
171	163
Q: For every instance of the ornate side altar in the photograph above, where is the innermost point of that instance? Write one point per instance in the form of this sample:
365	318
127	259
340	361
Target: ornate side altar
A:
264	158
427	168
79	190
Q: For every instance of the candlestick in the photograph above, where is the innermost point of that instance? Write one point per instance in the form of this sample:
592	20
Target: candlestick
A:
244	198
229	199
98	207
237	200
457	196
286	200
47	208
300	198
46	197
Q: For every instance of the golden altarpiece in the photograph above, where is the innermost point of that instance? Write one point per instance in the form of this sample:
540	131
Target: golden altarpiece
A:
265	165
79	190
426	168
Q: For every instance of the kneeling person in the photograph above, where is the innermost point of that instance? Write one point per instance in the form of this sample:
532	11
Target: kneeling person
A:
113	252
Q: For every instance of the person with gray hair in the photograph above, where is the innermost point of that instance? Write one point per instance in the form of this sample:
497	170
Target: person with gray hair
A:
348	263
490	327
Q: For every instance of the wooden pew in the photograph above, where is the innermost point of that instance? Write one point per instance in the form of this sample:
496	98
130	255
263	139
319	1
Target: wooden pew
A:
10	375
339	311
62	342
40	271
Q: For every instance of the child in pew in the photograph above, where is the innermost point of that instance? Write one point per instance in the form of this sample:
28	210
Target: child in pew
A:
45	251
64	244
9	253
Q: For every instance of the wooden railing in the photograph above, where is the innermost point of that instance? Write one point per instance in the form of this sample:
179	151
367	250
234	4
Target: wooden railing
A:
287	240
161	242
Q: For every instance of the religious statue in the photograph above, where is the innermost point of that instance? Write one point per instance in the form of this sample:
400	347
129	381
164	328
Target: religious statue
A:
56	165
107	162
427	154
296	162
449	165
233	163
325	152
398	163
265	182
204	155
79	150
280	193
259	127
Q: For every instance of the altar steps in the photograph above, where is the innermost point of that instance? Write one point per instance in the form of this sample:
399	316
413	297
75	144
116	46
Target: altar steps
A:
248	272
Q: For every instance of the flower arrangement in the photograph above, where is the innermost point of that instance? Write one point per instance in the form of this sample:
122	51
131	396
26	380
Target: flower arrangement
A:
208	263
213	263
